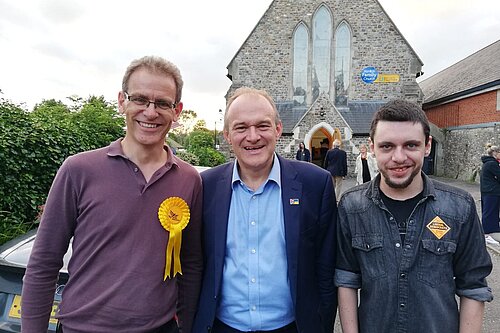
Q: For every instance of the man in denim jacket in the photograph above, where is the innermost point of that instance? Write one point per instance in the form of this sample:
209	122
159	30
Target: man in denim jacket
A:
408	242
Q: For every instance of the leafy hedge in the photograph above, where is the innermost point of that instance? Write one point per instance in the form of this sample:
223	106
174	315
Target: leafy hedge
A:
34	144
200	143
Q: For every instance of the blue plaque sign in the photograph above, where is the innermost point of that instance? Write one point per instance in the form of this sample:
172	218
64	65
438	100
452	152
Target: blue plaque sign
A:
369	74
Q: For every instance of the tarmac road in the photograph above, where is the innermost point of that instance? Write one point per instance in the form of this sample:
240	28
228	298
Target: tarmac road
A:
491	323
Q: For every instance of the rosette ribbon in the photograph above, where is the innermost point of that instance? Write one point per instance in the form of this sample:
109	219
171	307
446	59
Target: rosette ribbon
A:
174	217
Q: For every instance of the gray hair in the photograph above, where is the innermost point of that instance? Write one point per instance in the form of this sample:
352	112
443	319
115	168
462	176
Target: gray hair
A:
159	65
250	91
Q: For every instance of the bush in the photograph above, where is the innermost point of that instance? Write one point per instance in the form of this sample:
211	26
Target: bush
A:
200	143
188	157
208	156
34	144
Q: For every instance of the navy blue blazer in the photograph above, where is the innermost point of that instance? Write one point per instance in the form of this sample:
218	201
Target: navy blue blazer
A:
336	162
310	237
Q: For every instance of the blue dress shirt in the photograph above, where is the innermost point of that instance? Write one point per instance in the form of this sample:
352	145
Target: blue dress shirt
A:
255	291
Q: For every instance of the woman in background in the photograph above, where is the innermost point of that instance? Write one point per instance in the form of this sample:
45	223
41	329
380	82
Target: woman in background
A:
366	166
303	153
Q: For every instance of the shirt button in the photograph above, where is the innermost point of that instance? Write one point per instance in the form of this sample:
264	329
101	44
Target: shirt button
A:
136	169
398	245
408	246
252	223
402	305
367	246
253	308
402	275
253	251
254	197
253	280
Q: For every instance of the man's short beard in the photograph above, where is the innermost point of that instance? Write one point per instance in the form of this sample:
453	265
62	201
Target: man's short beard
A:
404	184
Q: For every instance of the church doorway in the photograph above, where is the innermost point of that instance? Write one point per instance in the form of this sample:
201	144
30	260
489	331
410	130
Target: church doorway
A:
321	141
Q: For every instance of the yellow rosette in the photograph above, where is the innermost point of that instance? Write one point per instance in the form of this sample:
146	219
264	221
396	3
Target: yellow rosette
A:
174	216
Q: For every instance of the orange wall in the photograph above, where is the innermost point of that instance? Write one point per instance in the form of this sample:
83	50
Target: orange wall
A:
472	110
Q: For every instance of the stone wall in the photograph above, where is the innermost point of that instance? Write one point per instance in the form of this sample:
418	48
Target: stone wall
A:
464	147
265	59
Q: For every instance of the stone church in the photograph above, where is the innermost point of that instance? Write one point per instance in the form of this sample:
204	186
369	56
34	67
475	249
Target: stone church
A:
329	65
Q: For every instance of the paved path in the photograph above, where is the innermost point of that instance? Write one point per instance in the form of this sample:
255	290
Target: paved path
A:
491	322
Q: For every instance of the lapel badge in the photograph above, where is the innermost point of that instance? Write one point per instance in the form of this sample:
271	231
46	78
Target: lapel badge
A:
294	201
438	227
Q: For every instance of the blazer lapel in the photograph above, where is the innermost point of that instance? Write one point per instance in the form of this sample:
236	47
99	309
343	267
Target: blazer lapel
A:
220	217
291	198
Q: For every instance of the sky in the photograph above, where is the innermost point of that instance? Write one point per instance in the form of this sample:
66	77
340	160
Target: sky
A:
59	48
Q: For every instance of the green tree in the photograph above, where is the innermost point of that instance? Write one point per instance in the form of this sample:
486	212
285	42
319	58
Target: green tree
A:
187	121
201	143
98	123
188	157
34	144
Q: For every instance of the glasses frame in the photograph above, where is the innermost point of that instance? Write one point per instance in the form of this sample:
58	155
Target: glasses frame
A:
129	98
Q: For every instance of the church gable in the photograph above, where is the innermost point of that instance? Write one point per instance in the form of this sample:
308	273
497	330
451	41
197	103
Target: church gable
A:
329	65
301	48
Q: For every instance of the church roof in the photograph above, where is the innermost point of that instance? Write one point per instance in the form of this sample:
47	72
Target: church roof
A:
357	114
476	72
290	115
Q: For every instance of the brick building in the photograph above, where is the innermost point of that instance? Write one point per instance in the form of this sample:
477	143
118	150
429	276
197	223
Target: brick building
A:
463	101
329	65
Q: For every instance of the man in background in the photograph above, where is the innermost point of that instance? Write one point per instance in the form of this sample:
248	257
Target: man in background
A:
336	164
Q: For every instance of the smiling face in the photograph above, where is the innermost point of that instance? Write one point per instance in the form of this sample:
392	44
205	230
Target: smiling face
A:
399	147
252	132
148	126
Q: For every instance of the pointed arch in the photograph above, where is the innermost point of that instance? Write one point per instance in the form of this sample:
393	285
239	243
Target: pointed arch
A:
322	37
342	73
314	140
300	60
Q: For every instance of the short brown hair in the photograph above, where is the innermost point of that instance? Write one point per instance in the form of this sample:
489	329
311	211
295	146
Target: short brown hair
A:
401	110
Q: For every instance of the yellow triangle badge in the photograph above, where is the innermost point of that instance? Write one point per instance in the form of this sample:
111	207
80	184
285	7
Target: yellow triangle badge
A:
438	227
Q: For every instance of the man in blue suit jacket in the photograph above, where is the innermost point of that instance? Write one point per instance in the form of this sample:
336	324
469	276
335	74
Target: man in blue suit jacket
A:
336	164
269	232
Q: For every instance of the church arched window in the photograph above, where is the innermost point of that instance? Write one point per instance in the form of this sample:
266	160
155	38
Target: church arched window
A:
300	52
322	36
342	63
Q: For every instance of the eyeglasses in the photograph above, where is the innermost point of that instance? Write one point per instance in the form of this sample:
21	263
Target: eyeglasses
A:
142	101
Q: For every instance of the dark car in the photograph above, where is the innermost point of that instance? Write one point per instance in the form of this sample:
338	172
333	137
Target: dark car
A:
14	257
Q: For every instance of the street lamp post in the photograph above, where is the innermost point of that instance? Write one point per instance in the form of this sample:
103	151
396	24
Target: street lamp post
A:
215	129
215	135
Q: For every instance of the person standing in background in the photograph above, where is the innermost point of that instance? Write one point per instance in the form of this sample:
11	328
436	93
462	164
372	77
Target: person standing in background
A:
490	194
336	164
303	153
366	166
133	210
